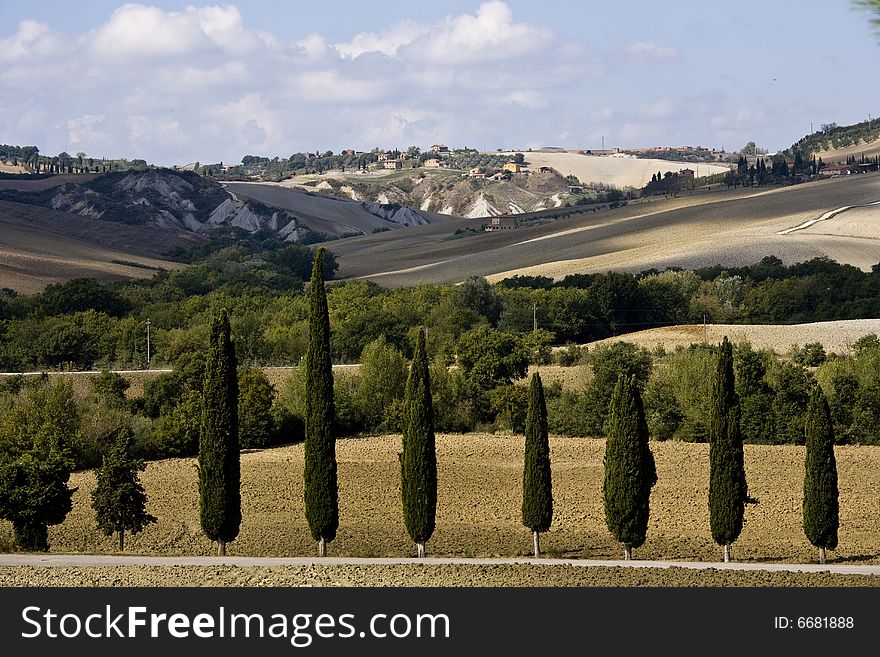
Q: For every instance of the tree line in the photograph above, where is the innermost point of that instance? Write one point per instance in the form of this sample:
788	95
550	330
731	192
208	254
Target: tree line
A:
83	325
36	461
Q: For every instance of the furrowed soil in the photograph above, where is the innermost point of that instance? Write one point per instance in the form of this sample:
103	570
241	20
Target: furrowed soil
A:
478	514
413	575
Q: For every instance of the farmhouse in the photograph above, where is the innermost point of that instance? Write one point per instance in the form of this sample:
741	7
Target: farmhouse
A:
512	167
546	169
433	163
392	164
686	173
575	189
385	155
439	148
502	223
836	170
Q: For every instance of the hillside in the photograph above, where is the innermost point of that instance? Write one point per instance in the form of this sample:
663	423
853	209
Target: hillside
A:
443	191
837	337
39	247
185	204
730	227
333	216
868	149
835	143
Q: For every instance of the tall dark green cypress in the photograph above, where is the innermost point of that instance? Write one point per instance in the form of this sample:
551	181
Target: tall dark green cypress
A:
821	507
219	457
728	491
418	458
320	484
537	502
630	472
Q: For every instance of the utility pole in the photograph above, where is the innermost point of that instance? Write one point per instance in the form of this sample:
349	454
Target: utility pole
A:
534	317
148	344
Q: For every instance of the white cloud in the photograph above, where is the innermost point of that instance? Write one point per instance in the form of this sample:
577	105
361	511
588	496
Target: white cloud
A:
85	129
659	109
645	50
527	98
314	46
32	40
140	31
329	86
201	84
489	35
386	43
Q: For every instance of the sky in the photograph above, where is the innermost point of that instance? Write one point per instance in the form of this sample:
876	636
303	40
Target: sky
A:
176	82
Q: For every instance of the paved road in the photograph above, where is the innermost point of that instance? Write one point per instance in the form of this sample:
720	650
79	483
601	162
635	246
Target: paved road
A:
86	560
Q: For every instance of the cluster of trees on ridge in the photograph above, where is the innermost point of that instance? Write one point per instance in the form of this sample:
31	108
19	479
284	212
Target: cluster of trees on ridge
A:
35	464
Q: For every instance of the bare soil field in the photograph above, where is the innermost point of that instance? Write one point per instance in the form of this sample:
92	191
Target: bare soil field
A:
418	575
479	510
39	247
734	228
617	171
852	236
836	337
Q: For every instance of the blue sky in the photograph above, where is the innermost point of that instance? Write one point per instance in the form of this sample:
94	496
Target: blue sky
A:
175	82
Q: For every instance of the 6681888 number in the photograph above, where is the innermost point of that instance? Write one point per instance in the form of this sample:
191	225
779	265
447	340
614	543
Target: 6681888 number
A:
825	622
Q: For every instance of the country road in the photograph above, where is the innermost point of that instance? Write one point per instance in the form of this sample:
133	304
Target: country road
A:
88	560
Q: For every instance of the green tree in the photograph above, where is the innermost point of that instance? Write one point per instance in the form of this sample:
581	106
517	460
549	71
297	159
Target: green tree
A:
418	457
118	499
177	430
35	463
219	459
537	502
821	508
630	472
728	492
256	424
607	364
492	358
320	485
381	382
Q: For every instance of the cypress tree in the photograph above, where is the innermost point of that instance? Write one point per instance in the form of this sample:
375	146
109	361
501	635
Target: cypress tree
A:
537	503
630	472
821	507
119	499
728	492
418	458
219	459
320	485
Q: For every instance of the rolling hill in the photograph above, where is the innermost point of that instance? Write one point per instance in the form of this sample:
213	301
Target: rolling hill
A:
39	247
731	227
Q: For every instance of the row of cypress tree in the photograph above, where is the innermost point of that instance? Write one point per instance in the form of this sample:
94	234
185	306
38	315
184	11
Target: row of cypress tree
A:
630	471
218	467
